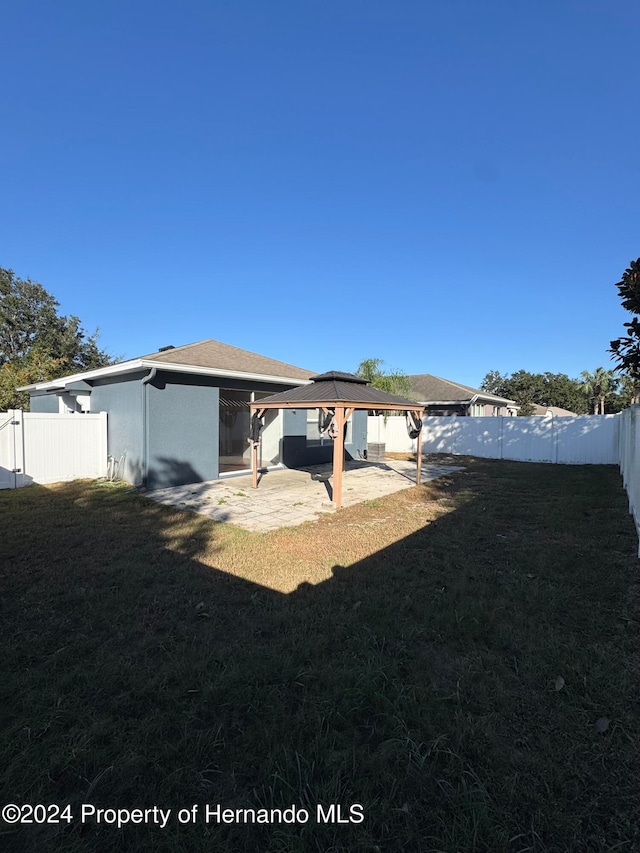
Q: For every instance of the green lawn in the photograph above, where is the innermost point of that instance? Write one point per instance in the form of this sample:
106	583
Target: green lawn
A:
441	656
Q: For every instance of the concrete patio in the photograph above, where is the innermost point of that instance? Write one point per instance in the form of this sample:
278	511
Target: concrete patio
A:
288	497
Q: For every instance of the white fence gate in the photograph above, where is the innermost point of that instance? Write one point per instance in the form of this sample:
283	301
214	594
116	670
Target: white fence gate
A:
49	448
11	455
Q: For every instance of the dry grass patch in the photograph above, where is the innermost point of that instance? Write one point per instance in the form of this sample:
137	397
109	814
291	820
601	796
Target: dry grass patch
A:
285	558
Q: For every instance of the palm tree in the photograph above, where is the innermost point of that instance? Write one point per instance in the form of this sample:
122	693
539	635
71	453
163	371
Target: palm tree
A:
597	386
629	389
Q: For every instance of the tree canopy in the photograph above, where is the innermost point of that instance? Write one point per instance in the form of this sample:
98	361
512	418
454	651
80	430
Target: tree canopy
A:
626	349
36	342
545	389
393	381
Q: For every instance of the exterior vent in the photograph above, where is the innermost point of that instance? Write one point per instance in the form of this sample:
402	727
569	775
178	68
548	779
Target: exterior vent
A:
164	349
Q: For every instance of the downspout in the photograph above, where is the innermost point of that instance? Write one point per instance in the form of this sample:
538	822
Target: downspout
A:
471	403
145	438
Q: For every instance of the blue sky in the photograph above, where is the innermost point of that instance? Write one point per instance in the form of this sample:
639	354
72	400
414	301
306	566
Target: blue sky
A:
449	186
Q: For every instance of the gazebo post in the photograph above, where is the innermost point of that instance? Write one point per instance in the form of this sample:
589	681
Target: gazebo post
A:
254	464
254	450
338	457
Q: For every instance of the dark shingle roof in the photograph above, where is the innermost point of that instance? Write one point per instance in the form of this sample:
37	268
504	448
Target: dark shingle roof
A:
338	387
209	355
340	375
427	388
214	354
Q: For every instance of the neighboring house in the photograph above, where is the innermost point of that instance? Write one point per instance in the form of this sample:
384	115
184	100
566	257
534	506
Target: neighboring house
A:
443	397
181	415
551	411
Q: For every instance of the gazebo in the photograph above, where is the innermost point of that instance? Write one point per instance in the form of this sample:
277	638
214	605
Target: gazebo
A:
338	395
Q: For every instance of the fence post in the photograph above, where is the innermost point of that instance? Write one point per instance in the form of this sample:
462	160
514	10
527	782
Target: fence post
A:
17	436
632	436
631	458
104	453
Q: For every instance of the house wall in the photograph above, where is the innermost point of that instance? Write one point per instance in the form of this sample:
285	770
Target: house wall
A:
169	427
44	403
180	420
182	430
182	427
121	398
477	410
68	403
488	410
454	409
358	444
271	437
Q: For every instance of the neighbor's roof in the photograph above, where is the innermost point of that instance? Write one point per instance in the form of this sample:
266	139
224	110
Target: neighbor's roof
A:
555	411
337	387
205	357
432	389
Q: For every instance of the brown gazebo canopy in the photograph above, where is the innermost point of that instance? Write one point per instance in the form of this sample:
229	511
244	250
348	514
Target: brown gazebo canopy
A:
344	393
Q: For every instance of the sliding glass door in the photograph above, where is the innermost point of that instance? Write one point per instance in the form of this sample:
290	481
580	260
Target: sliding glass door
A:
234	449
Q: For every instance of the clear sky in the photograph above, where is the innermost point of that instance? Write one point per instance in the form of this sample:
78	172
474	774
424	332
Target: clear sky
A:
450	186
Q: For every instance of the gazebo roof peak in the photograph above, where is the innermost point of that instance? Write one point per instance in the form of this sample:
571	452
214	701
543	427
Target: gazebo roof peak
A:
340	376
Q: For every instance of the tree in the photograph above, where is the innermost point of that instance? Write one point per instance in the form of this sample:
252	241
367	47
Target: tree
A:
527	389
626	349
13	375
393	381
36	343
523	387
629	390
494	383
598	387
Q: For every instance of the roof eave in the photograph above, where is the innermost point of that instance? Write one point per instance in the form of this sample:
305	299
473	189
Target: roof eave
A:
331	404
444	402
467	402
148	364
226	374
112	370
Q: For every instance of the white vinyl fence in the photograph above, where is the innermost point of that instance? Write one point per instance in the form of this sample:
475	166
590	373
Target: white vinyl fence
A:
392	432
629	442
577	440
49	448
581	439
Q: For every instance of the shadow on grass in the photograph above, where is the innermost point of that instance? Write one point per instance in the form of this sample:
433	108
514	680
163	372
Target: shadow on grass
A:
418	682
